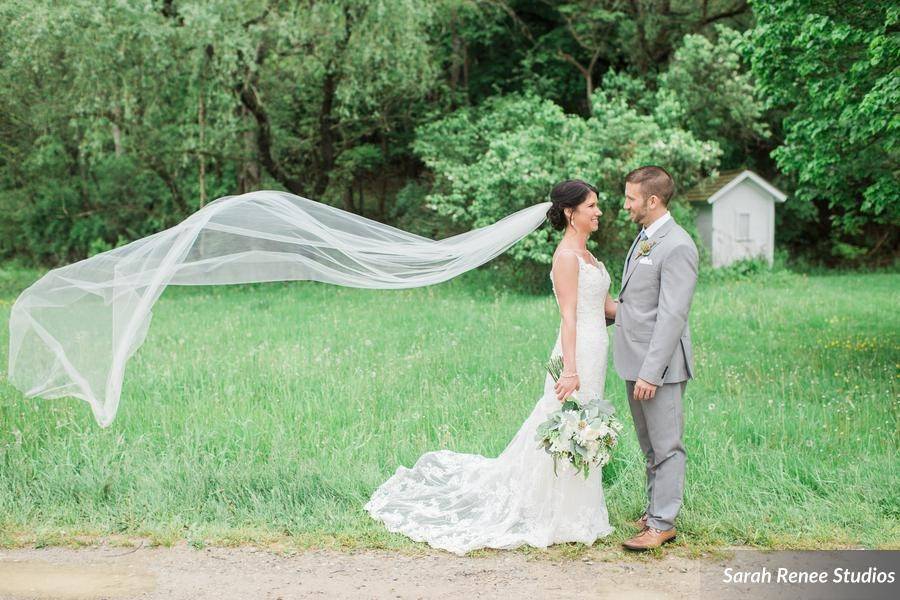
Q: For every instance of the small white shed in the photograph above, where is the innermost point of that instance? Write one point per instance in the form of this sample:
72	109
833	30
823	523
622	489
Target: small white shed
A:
736	215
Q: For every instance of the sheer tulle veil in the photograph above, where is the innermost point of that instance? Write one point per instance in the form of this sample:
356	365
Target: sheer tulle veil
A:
73	331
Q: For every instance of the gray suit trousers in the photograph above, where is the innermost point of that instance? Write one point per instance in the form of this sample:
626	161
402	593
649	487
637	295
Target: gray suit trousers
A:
660	429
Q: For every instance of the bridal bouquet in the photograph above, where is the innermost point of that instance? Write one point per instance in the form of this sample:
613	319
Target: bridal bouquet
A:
582	431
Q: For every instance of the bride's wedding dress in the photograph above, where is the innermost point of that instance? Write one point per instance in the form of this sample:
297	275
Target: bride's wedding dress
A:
460	502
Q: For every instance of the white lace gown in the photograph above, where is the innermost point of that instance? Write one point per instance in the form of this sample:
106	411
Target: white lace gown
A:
459	502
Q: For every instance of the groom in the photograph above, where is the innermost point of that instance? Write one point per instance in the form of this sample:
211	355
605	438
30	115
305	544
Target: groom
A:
652	345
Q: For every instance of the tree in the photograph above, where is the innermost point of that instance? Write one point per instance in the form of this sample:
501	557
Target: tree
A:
832	66
506	154
716	94
121	121
596	36
92	156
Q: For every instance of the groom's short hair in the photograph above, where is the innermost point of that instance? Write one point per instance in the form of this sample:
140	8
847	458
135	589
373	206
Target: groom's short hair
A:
654	181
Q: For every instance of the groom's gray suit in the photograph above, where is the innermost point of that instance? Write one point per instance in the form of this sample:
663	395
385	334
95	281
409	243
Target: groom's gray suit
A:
652	341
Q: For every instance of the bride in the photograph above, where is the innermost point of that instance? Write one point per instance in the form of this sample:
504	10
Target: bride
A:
460	502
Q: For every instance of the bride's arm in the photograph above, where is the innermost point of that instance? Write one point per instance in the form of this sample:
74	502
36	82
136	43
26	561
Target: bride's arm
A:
565	280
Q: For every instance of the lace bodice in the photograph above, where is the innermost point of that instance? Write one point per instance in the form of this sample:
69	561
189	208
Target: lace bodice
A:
593	285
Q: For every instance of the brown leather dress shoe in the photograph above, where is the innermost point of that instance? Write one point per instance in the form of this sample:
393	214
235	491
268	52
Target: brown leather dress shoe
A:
641	523
650	538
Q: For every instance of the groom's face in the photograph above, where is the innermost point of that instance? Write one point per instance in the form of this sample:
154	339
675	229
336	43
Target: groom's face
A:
635	203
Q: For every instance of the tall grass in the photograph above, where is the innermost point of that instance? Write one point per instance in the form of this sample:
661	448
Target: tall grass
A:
262	411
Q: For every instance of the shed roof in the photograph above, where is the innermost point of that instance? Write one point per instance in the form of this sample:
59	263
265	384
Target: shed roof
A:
711	190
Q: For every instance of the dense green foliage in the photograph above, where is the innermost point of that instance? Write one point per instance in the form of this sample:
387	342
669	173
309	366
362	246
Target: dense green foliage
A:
791	439
121	118
508	152
834	66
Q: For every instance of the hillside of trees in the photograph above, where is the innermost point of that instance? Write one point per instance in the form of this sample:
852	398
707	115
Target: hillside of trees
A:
119	119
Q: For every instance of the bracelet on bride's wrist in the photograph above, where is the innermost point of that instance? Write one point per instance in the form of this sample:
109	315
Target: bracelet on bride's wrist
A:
568	375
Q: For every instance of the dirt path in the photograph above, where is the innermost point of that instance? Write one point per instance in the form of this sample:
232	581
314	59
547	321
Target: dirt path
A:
224	573
220	573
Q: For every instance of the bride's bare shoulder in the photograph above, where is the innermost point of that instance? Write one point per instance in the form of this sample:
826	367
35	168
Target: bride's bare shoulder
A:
564	265
565	255
576	253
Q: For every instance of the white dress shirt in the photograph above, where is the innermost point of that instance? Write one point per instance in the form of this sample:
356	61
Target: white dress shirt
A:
655	225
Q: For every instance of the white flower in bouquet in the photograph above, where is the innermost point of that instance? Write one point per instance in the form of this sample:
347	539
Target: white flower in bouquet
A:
594	431
559	445
569	425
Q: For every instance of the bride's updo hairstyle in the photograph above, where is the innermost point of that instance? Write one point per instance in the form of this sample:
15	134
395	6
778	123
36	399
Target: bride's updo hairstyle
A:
568	194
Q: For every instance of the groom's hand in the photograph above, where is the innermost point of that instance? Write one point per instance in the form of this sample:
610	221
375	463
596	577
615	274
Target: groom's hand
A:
644	390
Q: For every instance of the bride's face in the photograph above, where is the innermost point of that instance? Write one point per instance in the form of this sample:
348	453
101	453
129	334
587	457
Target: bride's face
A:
585	216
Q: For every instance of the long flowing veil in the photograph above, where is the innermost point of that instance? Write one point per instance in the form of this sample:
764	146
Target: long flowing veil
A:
73	331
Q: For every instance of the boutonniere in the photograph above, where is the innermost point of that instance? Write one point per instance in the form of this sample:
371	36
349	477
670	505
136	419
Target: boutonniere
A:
645	247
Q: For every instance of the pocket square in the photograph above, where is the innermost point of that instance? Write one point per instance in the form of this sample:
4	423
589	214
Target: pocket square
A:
646	261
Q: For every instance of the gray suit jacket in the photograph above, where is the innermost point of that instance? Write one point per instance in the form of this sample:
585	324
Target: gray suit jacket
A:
652	339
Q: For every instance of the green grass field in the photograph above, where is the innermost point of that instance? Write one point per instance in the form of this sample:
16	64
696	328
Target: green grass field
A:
270	412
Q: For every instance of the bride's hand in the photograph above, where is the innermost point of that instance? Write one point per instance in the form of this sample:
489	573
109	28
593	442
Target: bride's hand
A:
565	386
